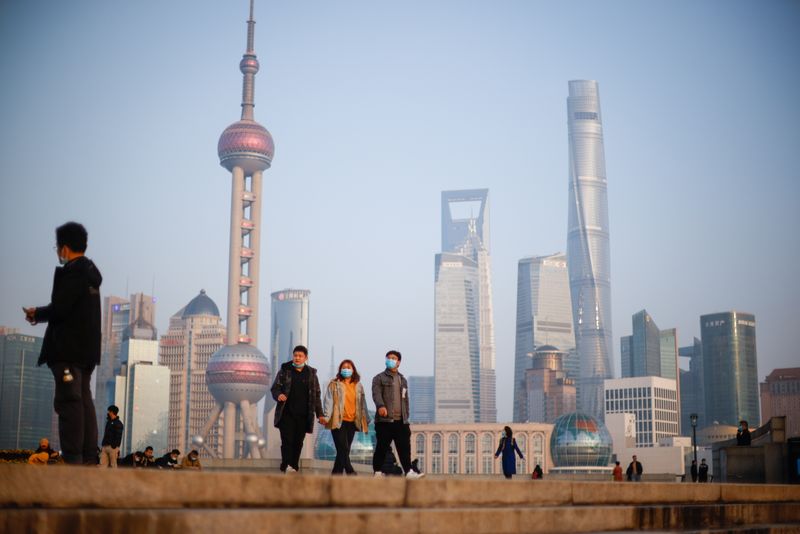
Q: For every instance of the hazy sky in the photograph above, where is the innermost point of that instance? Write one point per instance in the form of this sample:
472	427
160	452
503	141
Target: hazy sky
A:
111	111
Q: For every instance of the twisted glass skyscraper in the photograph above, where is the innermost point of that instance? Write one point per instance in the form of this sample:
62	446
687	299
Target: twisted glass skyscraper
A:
588	255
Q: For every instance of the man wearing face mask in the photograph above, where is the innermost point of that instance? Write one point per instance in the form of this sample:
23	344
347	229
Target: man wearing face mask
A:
390	394
71	346
296	389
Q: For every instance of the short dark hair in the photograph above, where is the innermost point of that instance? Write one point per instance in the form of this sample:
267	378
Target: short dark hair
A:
148	448
300	348
176	451
396	353
73	235
355	378
113	409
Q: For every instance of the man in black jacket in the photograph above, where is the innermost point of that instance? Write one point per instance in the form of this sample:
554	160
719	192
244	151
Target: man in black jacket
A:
71	346
296	389
112	438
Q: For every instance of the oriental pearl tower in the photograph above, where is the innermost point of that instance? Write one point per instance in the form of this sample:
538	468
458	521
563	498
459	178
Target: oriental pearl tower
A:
238	374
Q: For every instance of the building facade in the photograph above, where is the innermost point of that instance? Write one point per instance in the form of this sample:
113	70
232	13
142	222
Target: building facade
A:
195	333
652	400
550	392
421	399
691	388
730	369
588	251
466	310
780	395
469	448
544	317
289	325
26	393
142	396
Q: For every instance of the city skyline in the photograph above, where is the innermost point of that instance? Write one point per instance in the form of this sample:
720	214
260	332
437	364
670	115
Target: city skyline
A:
714	207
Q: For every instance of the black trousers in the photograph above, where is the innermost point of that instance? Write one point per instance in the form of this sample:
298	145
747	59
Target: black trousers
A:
343	440
77	426
293	432
386	433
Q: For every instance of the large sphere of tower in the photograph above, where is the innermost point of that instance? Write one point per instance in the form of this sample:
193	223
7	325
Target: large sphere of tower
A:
246	144
238	372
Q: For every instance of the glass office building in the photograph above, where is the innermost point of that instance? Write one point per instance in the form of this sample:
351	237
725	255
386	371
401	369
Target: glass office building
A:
588	256
26	393
421	404
730	369
544	317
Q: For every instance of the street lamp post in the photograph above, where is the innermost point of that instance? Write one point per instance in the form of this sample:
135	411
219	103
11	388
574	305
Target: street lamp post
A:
693	419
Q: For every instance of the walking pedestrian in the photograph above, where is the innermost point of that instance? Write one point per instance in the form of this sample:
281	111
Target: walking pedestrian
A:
702	472
617	472
635	470
390	394
296	389
345	413
112	438
71	346
507	447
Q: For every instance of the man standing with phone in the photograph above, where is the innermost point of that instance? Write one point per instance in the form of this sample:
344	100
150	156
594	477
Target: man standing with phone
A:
71	346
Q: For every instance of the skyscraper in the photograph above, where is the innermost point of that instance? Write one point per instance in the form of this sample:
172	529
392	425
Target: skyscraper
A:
465	233
420	392
588	255
550	393
195	333
238	374
649	351
544	317
289	327
730	368
26	393
780	395
691	388
654	402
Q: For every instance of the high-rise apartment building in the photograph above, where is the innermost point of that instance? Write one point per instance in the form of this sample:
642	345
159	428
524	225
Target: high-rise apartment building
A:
550	393
195	333
691	388
588	251
464	325
730	370
652	400
780	395
26	393
544	317
420	392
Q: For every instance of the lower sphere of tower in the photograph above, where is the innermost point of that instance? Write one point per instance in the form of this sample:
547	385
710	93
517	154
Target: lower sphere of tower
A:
246	144
238	372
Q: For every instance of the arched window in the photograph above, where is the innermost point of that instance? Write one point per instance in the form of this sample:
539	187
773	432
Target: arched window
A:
487	450
537	452
436	457
452	444
420	444
469	444
521	463
469	454
452	453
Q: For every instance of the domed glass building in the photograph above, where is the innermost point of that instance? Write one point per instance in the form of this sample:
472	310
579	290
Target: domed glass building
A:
580	440
360	452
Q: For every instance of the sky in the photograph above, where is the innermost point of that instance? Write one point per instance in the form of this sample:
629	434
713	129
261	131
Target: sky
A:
110	114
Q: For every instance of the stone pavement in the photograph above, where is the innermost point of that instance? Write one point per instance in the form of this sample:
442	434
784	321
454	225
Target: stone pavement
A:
78	499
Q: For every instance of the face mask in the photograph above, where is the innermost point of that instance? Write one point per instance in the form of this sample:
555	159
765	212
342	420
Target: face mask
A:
298	365
62	260
390	363
346	373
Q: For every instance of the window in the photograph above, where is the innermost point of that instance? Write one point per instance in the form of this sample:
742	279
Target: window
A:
436	444
452	464
452	444
469	444
521	463
420	445
586	115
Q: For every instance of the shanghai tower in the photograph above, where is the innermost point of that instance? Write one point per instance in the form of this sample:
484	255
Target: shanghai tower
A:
588	255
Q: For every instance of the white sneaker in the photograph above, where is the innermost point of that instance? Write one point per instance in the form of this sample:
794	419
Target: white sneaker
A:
290	470
414	474
378	474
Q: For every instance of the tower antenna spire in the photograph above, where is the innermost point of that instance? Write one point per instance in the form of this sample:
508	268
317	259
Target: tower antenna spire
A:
249	67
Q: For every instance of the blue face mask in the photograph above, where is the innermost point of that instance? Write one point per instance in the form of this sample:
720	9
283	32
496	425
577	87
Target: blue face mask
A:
390	363
298	365
346	373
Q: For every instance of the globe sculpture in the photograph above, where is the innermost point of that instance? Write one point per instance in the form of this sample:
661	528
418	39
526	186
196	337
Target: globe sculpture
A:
580	440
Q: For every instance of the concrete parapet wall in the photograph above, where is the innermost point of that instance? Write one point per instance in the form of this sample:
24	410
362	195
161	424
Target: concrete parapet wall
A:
80	499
